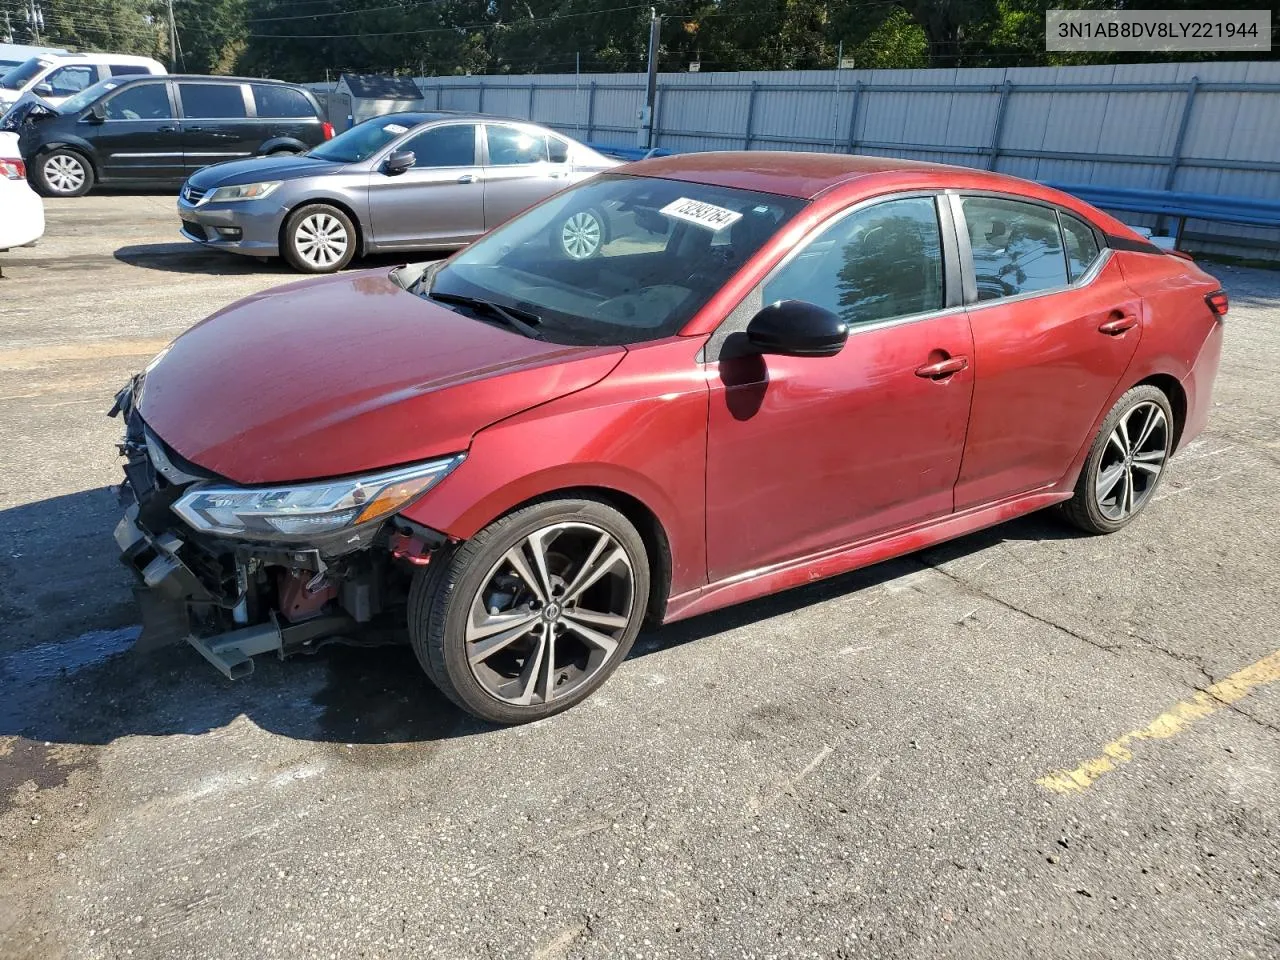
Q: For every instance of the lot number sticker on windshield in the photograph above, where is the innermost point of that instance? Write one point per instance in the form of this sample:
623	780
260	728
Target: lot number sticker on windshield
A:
703	214
395	128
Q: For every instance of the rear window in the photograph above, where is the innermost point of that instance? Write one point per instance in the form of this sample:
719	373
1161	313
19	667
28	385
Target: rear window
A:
209	101
126	69
281	102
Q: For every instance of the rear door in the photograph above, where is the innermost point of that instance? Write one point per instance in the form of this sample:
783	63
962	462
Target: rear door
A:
140	138
519	170
217	123
440	200
1054	328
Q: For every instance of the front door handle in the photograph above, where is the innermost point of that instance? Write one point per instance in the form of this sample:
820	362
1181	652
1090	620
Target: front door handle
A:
467	178
194	129
942	369
1118	324
167	128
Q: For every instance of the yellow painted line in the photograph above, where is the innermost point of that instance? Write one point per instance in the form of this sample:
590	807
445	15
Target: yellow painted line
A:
1170	723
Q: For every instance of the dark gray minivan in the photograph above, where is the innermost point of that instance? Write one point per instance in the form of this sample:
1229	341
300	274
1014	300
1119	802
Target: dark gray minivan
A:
158	130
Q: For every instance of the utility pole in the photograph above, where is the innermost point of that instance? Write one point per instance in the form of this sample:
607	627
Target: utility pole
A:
651	94
35	21
173	41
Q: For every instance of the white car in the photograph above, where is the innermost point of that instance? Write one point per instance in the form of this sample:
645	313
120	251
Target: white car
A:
54	77
21	209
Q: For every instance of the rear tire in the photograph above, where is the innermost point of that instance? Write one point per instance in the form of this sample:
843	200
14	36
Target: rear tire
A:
318	238
1125	464
62	173
531	615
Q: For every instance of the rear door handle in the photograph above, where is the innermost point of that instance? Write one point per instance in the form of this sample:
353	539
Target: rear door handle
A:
1118	325
942	368
167	128
467	178
194	129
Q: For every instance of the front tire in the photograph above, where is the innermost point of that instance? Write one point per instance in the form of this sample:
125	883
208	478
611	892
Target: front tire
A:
534	613
63	173
318	238
1125	463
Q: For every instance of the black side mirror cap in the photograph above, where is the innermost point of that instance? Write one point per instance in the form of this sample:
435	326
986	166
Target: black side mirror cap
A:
399	162
797	328
97	114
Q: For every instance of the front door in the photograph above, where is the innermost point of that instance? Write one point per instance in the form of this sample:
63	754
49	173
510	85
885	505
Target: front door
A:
139	139
1054	327
439	200
216	125
519	171
809	454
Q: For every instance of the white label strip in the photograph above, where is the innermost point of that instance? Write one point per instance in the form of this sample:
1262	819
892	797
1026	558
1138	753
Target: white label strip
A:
703	214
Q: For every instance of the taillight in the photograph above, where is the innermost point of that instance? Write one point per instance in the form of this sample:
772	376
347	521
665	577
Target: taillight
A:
13	169
327	127
1217	302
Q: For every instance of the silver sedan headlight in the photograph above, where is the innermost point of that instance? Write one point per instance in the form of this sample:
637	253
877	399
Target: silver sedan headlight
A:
266	513
245	191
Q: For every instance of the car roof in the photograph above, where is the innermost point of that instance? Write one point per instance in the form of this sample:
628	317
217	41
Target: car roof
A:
121	58
802	175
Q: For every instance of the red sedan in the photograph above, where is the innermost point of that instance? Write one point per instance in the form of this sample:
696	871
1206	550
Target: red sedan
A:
774	368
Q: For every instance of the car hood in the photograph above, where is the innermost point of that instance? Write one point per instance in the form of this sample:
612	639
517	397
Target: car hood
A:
347	374
256	169
28	109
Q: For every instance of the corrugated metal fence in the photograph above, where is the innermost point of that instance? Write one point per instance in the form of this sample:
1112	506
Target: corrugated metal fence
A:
1196	127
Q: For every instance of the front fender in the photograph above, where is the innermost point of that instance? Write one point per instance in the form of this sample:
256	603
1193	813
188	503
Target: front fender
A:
78	144
640	432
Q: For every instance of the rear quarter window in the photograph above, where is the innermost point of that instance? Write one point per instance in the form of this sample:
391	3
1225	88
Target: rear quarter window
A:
282	103
1082	246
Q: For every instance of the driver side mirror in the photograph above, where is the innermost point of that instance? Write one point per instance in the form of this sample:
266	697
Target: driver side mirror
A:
399	162
797	328
97	114
43	89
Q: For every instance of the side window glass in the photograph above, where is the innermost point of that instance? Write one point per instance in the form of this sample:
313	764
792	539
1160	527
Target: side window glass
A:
451	146
1016	247
146	101
67	81
211	101
1081	243
126	70
509	146
881	262
279	103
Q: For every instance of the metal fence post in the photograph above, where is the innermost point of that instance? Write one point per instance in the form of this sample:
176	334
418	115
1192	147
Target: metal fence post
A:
751	114
1176	157
853	116
591	109
994	150
532	88
656	129
480	105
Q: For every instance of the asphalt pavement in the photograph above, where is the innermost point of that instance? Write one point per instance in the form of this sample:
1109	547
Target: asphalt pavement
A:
1002	747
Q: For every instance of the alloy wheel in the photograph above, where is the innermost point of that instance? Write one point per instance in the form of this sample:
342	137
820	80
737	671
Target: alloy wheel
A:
580	235
64	173
549	615
1132	461
321	240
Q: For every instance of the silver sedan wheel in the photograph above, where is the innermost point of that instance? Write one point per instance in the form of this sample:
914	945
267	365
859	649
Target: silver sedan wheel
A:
64	173
580	235
1131	464
321	240
549	615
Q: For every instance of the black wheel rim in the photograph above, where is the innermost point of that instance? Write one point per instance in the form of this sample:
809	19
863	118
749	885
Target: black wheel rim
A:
1132	461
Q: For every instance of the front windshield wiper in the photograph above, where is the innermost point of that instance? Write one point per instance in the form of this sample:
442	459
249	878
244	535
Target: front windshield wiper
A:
514	317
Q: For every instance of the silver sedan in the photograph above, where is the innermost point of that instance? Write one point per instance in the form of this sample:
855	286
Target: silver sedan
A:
405	181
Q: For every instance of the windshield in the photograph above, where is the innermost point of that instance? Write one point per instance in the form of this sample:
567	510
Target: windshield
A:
87	96
618	259
362	141
24	73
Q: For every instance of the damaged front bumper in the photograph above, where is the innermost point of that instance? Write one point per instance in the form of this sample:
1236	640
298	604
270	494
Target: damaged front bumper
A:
232	599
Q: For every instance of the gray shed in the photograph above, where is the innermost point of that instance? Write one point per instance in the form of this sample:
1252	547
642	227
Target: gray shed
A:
360	96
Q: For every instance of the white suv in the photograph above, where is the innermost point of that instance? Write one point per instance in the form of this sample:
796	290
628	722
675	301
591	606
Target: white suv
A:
55	77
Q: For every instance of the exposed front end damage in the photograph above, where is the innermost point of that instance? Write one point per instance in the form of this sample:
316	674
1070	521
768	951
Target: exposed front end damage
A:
233	597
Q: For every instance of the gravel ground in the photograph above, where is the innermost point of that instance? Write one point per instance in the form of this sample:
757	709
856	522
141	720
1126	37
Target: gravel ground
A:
846	770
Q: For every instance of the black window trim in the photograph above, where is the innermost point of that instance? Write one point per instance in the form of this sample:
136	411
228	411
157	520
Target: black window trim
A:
384	152
968	274
736	320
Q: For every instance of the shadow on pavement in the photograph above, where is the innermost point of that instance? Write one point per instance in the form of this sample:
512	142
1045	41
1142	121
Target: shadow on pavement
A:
189	257
69	675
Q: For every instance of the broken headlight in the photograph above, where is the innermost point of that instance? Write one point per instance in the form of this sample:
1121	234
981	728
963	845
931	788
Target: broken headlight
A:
266	513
